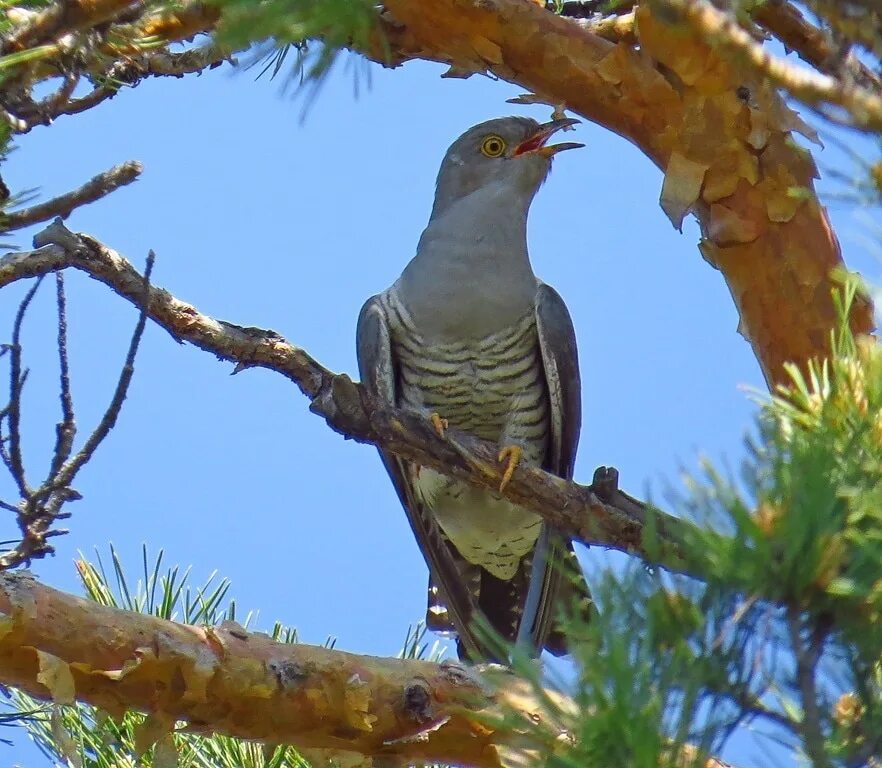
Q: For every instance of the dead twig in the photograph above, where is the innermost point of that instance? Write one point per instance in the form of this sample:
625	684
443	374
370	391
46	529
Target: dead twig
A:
94	189
39	508
12	456
69	469
66	429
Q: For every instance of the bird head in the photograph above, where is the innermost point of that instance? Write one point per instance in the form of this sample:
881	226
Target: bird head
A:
512	151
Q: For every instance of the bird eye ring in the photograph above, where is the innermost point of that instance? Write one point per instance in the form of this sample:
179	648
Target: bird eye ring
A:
493	146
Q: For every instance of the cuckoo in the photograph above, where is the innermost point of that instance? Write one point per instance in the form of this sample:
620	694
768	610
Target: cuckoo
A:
470	338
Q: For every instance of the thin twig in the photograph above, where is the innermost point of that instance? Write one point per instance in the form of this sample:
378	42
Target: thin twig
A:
807	656
16	384
41	507
813	44
66	429
68	471
91	99
62	95
127	71
94	189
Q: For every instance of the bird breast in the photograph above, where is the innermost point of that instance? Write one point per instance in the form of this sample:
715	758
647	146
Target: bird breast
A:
493	387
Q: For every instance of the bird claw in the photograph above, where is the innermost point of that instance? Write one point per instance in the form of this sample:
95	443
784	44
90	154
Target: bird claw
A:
512	455
439	423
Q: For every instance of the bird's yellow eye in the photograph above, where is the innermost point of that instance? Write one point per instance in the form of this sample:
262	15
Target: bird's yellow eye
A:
493	145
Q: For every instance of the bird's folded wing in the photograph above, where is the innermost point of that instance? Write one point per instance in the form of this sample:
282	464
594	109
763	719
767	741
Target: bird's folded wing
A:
377	369
553	559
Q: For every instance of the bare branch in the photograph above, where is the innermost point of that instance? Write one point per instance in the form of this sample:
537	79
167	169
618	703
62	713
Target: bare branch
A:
92	99
860	25
599	514
24	114
195	60
39	508
66	429
813	45
68	471
807	655
16	385
97	187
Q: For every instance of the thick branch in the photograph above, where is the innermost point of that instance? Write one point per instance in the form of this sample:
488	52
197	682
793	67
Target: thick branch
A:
230	681
60	18
863	106
599	514
226	680
719	131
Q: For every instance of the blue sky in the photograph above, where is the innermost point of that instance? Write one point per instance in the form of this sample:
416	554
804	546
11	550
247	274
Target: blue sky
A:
260	218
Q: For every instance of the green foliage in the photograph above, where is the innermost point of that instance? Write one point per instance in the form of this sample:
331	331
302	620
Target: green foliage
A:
278	25
781	630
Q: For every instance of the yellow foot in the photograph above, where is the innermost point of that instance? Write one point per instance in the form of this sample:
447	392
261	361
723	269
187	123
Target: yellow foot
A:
439	423
512	454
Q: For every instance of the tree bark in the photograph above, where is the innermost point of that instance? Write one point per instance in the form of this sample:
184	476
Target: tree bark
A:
227	680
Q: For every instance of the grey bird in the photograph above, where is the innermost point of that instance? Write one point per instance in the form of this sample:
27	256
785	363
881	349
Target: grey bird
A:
471	339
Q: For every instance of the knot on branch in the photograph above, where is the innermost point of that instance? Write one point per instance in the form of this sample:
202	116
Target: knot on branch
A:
339	402
418	701
605	483
288	673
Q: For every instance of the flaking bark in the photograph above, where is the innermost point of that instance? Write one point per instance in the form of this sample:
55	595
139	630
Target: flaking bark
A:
227	680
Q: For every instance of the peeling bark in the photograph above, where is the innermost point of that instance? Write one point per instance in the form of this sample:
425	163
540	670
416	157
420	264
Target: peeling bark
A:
227	680
224	679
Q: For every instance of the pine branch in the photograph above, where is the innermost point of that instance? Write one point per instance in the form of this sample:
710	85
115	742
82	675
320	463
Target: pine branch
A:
226	680
813	44
862	106
721	134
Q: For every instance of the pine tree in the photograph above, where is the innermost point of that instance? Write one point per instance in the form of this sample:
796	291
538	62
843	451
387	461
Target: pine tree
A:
752	601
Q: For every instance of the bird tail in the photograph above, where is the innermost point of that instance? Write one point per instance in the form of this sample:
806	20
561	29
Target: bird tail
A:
564	594
573	601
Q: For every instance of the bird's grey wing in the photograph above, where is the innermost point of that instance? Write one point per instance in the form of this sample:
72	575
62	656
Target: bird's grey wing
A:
557	342
378	372
554	565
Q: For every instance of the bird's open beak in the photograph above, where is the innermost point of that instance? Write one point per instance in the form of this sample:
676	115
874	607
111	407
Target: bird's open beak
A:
537	142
